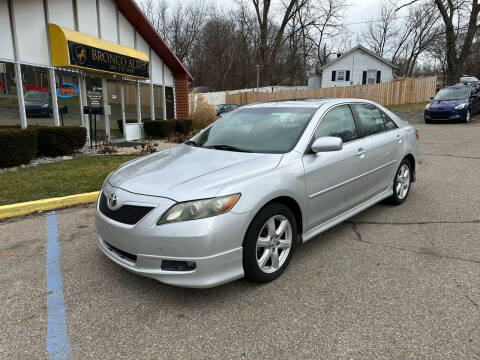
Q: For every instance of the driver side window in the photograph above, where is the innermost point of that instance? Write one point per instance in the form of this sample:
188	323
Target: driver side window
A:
338	122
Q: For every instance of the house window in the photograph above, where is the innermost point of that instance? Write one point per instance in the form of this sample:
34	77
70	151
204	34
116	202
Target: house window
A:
341	75
371	76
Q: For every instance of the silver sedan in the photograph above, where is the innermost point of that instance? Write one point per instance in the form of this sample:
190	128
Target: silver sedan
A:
240	196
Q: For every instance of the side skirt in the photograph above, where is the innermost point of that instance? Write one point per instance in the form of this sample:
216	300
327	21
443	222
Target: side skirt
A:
310	234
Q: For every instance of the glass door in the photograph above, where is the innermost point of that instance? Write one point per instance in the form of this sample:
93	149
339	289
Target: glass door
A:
95	98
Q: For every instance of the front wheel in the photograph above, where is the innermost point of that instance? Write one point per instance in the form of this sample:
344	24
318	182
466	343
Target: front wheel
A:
401	183
467	117
269	243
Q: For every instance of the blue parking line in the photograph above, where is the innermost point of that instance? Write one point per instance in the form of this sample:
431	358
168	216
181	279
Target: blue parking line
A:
57	339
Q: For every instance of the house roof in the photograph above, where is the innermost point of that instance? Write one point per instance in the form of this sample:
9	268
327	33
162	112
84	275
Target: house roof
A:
363	48
136	17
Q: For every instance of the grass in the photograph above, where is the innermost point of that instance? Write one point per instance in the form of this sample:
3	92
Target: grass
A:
407	107
58	179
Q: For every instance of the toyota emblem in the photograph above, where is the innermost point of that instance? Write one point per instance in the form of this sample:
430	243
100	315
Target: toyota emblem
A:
112	201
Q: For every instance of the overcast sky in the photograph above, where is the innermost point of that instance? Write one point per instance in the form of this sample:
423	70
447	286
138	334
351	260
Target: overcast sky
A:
358	11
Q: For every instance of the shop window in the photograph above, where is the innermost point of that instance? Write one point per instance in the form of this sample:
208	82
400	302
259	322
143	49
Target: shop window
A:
158	101
37	96
68	98
130	92
9	114
145	101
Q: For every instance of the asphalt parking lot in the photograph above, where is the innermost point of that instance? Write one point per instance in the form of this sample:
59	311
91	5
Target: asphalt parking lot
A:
392	283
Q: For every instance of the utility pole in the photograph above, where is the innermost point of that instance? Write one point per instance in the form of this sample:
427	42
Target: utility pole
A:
258	81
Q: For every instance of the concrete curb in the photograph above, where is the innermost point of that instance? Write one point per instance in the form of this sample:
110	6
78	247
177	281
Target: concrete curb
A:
29	207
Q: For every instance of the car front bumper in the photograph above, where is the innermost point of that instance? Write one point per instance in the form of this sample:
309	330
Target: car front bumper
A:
213	245
445	115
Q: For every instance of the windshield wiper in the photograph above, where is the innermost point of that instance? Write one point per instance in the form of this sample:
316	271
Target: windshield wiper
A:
191	142
226	147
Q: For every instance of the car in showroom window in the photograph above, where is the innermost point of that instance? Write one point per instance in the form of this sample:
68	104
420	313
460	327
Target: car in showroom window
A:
238	198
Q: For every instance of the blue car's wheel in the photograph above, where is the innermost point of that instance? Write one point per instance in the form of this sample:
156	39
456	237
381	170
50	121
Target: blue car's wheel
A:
467	117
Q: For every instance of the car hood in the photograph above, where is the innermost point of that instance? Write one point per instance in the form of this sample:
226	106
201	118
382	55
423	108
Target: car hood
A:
446	104
186	172
35	103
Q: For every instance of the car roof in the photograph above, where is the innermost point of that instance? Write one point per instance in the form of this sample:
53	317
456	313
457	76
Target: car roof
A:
313	103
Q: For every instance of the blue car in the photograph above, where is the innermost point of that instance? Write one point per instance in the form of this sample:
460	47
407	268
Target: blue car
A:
453	103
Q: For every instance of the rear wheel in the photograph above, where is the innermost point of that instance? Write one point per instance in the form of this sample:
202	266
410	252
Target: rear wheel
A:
269	243
401	183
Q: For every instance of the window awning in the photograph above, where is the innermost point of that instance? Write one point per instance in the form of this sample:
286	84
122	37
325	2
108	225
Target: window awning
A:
74	49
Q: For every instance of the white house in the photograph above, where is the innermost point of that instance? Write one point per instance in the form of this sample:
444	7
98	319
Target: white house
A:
357	66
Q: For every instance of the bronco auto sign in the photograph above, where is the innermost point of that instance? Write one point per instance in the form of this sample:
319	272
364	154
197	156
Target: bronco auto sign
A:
104	60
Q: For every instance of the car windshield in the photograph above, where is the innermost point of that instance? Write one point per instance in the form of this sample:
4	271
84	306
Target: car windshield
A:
263	130
36	96
453	93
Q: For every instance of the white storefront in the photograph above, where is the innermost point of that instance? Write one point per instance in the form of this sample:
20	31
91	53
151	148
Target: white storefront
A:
43	82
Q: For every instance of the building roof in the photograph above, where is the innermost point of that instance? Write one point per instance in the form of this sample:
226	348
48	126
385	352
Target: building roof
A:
363	48
136	17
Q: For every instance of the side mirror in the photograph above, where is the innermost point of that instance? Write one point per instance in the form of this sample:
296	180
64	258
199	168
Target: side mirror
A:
431	97
327	143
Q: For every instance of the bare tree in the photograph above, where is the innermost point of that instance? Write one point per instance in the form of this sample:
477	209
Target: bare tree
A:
456	54
422	20
383	31
272	36
179	26
460	18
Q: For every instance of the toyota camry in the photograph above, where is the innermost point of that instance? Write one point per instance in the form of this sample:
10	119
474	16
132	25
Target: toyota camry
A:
239	197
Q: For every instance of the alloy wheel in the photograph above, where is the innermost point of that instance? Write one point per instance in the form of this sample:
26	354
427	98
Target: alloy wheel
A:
403	181
274	243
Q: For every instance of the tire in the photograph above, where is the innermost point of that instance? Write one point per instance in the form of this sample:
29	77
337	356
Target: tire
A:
427	121
260	263
405	179
468	117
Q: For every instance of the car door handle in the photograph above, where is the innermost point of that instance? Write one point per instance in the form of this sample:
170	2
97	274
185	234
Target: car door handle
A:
399	138
361	152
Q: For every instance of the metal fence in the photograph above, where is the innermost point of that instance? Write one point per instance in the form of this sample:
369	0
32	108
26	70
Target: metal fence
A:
403	91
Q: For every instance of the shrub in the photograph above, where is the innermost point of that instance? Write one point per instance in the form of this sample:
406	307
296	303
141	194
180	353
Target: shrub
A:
202	112
183	126
56	140
17	146
159	128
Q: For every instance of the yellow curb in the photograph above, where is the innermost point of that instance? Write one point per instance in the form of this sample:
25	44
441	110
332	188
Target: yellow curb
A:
46	204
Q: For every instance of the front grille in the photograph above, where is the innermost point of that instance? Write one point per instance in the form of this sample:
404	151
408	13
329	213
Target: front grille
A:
440	115
126	214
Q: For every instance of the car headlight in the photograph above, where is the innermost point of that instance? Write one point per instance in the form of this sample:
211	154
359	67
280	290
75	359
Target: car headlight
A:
461	106
199	209
44	106
427	106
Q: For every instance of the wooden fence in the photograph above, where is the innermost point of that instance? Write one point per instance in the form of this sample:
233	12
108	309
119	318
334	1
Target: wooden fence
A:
404	91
